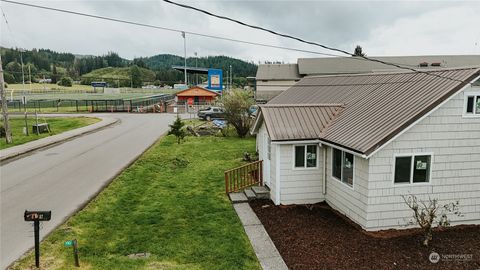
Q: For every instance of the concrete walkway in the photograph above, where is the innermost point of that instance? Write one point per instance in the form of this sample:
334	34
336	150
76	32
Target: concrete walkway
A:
263	246
25	148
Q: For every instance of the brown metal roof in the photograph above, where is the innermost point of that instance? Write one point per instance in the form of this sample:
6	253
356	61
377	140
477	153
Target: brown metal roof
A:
376	107
298	122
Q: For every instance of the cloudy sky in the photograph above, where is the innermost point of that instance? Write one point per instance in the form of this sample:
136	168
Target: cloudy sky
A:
380	27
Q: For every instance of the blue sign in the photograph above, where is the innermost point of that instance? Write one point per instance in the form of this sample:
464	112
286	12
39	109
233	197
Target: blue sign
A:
215	79
99	84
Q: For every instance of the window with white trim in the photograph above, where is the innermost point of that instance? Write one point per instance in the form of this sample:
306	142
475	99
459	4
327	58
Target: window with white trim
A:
411	169
343	166
306	156
472	104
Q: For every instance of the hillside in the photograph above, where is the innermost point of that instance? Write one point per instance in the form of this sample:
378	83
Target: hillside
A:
166	61
119	77
45	63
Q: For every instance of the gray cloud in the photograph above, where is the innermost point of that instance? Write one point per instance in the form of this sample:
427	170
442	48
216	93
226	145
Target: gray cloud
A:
381	27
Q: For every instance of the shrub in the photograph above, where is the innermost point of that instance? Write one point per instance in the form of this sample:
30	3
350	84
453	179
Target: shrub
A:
177	129
430	214
237	103
65	81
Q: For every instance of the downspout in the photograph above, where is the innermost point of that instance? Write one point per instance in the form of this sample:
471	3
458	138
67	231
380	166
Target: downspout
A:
324	170
277	175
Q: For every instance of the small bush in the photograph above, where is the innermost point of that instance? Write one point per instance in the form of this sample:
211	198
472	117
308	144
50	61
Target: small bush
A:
177	129
65	81
430	214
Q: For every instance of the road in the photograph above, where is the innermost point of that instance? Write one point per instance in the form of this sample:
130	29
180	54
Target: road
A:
62	178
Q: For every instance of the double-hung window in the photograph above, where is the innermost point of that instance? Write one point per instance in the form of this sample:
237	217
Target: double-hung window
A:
306	156
472	104
410	169
343	166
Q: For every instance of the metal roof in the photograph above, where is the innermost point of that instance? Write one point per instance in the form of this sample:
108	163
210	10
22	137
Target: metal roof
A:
376	107
355	65
298	121
192	70
196	91
278	72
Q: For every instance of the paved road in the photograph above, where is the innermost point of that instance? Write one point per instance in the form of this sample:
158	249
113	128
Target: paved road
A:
63	177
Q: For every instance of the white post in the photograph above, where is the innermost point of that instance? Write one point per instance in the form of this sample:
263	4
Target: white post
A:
185	56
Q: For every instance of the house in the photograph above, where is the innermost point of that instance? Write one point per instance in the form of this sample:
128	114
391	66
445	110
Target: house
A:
272	79
196	96
360	141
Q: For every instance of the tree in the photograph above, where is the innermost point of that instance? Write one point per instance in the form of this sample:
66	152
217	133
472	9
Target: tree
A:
3	97
237	103
54	74
65	81
358	51
177	129
136	76
431	214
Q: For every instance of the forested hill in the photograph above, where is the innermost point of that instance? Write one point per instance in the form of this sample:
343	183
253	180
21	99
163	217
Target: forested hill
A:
45	63
166	61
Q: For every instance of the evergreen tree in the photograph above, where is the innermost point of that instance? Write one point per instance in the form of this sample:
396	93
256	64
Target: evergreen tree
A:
135	76
177	129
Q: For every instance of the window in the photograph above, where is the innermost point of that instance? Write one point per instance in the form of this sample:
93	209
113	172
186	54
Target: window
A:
343	166
472	104
306	156
412	169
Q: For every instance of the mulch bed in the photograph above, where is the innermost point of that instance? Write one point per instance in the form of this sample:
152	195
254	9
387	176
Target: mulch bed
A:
317	237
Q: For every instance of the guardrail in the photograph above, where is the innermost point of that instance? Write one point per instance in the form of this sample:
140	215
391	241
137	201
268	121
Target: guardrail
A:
250	174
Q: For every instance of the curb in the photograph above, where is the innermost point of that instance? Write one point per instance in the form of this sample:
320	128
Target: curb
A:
263	246
20	150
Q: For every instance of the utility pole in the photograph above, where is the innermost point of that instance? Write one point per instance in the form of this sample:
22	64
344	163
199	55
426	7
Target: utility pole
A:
185	56
6	123
24	98
196	66
231	77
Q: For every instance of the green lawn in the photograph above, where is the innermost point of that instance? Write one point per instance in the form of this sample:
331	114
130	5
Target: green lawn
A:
170	203
57	125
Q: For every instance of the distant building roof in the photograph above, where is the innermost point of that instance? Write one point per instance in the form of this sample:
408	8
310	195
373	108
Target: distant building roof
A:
278	72
359	112
355	65
196	92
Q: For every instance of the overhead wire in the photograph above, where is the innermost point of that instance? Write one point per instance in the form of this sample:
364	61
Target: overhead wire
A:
305	41
167	28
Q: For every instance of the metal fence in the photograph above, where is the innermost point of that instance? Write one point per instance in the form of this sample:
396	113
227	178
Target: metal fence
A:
157	103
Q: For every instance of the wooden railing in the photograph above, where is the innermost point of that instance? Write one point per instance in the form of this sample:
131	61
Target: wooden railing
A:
244	176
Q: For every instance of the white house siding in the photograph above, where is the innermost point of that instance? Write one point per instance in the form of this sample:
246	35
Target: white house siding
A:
262	155
299	186
455	144
349	201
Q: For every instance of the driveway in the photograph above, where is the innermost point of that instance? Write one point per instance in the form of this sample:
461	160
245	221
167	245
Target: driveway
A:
62	178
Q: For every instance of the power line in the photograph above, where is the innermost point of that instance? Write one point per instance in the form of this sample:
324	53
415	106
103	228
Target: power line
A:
166	28
305	41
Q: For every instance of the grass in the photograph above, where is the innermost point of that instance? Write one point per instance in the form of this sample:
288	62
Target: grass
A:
57	125
170	203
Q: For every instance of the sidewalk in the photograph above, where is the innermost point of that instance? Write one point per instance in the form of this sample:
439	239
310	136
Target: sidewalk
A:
19	150
266	252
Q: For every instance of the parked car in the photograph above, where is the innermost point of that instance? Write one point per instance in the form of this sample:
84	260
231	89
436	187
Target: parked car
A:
211	113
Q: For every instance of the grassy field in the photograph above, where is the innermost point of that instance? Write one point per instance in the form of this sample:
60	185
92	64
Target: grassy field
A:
57	125
169	203
39	87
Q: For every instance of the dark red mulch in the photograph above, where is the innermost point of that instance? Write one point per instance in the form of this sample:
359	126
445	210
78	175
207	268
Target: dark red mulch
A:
322	239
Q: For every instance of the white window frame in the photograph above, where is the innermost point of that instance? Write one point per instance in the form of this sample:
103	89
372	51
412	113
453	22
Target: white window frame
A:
412	155
341	168
475	93
305	157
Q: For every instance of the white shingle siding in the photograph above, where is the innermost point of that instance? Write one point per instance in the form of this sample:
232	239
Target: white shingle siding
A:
455	144
351	202
299	186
